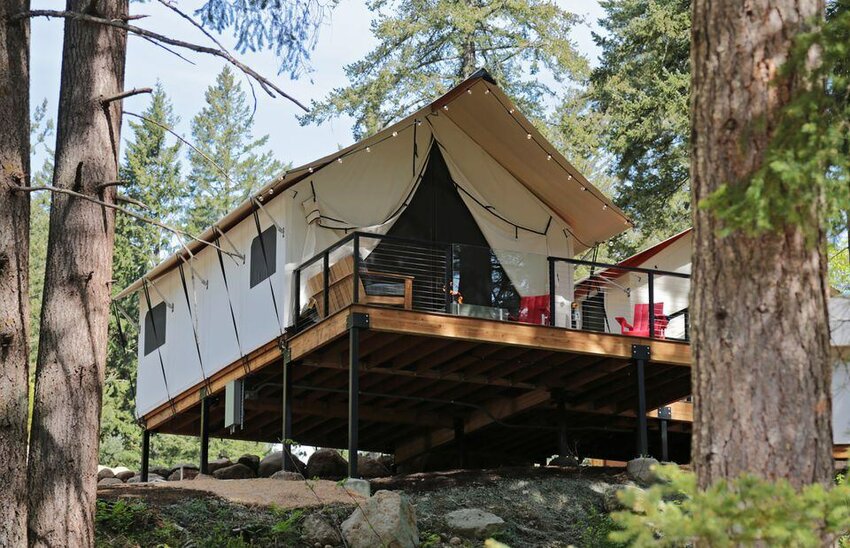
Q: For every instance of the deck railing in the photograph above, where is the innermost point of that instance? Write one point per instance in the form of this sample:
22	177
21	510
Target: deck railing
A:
476	281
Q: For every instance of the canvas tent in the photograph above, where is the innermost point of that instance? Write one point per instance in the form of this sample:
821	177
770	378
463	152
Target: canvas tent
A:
468	168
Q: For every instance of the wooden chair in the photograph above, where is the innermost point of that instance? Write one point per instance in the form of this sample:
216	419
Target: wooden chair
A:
341	288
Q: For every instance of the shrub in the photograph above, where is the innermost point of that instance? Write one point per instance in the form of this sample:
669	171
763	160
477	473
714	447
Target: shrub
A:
742	512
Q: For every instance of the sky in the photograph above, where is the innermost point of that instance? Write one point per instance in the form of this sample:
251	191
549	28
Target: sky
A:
343	39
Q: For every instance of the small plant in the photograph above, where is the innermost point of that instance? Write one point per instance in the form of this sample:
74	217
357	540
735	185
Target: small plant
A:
286	526
746	511
429	540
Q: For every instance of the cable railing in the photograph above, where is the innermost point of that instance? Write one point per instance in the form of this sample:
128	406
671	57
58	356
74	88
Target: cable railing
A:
476	281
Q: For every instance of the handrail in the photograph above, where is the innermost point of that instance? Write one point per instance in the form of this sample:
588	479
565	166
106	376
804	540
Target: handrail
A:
620	267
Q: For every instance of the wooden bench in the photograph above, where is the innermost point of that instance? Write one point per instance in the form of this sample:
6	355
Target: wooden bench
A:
341	288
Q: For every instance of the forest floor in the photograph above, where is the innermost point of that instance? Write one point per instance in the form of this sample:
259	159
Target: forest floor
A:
542	507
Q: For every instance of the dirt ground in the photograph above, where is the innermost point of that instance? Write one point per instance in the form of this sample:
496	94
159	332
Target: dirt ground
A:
250	492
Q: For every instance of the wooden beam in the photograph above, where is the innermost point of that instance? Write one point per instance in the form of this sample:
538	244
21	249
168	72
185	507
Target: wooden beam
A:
339	410
841	452
518	334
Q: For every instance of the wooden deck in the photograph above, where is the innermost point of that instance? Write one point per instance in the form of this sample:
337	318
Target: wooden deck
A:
432	383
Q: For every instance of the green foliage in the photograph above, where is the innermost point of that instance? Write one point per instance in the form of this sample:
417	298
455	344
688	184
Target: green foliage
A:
116	523
747	511
640	92
839	263
805	175
287	525
222	132
426	46
429	540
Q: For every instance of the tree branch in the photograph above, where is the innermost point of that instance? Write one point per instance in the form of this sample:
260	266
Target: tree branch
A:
267	85
124	95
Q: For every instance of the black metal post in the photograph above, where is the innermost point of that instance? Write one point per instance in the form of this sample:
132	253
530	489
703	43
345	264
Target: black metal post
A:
356	322
651	285
665	414
640	353
297	297
687	325
146	452
356	278
286	431
460	439
205	434
326	273
448	277
551	291
563	441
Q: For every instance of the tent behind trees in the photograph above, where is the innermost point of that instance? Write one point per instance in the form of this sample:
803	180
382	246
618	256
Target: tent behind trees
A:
466	169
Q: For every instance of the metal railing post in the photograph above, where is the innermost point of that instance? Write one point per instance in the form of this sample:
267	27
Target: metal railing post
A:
651	286
448	278
551	291
356	278
326	274
297	299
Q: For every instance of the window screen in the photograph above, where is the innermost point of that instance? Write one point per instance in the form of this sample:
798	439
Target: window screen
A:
154	328
263	245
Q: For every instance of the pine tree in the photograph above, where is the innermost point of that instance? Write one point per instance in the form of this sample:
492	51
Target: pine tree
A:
427	46
222	131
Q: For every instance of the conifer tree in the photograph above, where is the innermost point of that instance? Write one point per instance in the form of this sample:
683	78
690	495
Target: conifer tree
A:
222	130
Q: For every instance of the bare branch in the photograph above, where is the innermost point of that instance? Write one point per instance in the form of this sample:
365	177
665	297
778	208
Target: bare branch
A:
107	184
190	145
166	48
176	231
124	95
127	199
267	85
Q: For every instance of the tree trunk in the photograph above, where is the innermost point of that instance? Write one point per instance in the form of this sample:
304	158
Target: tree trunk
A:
75	307
761	375
14	271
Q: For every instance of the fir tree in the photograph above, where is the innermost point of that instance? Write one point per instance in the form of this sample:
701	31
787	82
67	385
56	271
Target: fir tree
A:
427	46
222	130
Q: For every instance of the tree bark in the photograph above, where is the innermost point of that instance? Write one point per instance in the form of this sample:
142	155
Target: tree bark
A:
761	375
75	307
14	271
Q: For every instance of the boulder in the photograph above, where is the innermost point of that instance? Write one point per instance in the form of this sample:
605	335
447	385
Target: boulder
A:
273	462
327	464
370	467
104	473
123	473
286	475
473	522
358	487
317	531
203	477
641	470
235	471
152	478
217	464
183	474
182	465
611	499
161	471
251	461
109	481
566	461
388	514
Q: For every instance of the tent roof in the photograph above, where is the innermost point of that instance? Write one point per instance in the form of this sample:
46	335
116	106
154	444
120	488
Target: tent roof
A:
498	127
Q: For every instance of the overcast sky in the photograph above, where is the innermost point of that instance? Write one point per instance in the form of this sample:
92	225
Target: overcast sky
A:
343	39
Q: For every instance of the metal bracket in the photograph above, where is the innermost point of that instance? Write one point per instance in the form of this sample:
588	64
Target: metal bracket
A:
640	352
358	320
665	413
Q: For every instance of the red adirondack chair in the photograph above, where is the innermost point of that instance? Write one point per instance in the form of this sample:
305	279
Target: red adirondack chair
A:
641	322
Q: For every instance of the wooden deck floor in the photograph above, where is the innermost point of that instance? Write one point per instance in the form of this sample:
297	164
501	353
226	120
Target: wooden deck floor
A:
426	379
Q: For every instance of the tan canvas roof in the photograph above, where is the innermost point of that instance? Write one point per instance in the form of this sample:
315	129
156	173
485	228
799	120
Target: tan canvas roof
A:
488	117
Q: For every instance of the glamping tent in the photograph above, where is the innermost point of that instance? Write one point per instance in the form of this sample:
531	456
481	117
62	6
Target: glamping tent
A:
467	170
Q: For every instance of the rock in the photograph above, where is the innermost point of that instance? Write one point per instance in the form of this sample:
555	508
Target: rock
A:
566	461
104	473
204	477
610	499
183	474
319	532
273	462
235	471
217	464
388	461
328	464
251	461
183	465
455	541
389	515
358	487
109	481
123	473
371	467
152	478
474	522
640	470
160	471
286	475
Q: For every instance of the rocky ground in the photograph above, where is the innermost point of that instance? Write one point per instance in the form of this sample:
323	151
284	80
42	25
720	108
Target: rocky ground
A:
534	507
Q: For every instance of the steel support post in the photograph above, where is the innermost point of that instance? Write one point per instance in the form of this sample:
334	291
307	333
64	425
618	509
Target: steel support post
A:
563	440
286	427
146	453
206	403
641	355
665	414
356	322
460	439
